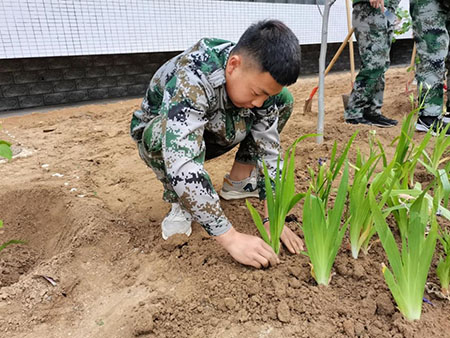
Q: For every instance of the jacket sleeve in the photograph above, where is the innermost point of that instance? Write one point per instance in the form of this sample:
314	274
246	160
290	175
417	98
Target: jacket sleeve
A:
183	110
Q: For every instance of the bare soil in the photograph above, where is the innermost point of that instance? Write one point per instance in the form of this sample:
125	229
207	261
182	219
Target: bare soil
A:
90	211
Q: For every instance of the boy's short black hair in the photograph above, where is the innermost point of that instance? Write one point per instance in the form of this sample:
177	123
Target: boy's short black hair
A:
272	45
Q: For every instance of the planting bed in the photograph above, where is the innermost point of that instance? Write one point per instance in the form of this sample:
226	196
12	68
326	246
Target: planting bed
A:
89	210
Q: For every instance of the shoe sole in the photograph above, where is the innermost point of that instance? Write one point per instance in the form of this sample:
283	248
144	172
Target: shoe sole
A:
235	195
383	125
372	124
186	232
421	127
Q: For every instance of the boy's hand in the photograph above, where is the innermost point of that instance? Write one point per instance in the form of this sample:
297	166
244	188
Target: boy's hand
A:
377	4
292	242
247	249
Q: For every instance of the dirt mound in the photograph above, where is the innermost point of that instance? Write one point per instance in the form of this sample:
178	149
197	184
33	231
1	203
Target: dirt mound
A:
90	212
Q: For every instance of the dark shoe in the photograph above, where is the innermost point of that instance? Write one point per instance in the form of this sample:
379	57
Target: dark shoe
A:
425	123
371	121
381	119
358	120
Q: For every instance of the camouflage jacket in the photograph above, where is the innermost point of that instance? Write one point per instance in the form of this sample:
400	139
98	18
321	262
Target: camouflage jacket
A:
189	93
390	4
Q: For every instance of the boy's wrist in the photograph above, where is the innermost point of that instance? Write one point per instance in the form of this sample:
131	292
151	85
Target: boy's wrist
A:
265	220
226	237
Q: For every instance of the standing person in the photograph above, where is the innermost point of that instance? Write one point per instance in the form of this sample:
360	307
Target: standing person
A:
201	104
446	6
447	66
374	31
430	19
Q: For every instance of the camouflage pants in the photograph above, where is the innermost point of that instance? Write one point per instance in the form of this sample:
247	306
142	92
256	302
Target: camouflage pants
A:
431	34
374	35
447	66
150	149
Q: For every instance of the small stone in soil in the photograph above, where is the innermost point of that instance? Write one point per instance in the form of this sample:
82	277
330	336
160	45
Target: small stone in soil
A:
283	313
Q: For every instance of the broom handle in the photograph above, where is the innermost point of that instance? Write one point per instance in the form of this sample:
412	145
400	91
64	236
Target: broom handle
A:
352	54
339	51
413	56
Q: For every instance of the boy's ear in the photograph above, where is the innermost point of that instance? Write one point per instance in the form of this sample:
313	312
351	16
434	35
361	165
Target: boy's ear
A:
235	61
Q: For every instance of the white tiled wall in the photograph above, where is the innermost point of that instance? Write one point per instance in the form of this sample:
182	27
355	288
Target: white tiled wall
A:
37	28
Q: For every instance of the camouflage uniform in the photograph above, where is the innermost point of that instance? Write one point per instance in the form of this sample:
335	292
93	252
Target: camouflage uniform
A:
430	21
448	79
374	34
187	118
446	6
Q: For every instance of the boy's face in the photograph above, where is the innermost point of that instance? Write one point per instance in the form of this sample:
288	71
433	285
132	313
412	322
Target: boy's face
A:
246	85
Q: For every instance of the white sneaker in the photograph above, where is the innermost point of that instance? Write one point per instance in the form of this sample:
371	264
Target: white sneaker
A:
233	190
177	221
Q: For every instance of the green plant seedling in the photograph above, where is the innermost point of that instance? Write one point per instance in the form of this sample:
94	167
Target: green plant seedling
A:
281	197
406	157
13	241
409	266
443	267
361	220
321	183
404	20
5	150
440	148
323	231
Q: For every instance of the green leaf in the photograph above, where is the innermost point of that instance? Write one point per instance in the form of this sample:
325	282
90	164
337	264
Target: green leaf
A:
258	222
385	235
297	198
5	151
13	241
443	179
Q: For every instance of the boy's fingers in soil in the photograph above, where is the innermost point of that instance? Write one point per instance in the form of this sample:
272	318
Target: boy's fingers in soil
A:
269	254
262	261
290	245
292	242
298	245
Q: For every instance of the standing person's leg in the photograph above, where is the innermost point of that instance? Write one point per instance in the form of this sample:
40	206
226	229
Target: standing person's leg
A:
432	39
374	39
242	181
447	66
384	56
